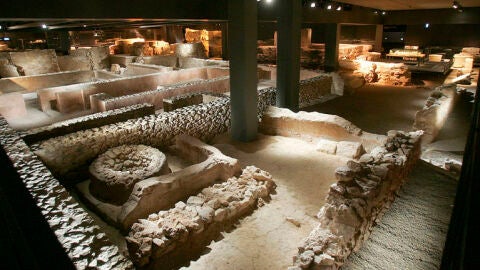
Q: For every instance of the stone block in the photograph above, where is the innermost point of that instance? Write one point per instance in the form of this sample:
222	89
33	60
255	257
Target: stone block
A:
12	105
350	149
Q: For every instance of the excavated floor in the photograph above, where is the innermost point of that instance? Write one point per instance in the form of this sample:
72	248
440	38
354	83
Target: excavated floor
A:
269	237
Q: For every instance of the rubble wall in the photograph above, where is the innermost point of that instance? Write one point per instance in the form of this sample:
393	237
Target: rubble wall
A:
434	113
311	90
86	122
365	189
69	154
84	242
168	239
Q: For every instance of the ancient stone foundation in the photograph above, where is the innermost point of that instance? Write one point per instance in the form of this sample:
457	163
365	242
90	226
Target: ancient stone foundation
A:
365	189
332	133
434	113
84	242
171	238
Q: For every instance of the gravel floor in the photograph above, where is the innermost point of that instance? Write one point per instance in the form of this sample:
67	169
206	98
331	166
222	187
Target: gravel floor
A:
412	233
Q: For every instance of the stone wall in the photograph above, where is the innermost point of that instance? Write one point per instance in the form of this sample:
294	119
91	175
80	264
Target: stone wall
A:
313	127
313	89
66	153
433	115
365	189
35	62
181	101
84	242
67	156
156	97
77	95
86	122
168	239
380	72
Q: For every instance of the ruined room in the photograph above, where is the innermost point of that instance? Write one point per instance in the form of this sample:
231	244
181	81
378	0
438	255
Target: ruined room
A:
239	134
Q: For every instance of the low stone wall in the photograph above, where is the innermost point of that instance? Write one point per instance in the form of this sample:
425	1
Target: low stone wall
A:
312	126
28	84
157	193
313	89
365	189
35	62
84	242
434	114
380	72
76	96
86	122
176	102
67	156
170	238
156	97
66	153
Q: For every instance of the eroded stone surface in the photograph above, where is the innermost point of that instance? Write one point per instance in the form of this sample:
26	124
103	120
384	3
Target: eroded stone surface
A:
433	115
363	192
114	173
170	237
83	241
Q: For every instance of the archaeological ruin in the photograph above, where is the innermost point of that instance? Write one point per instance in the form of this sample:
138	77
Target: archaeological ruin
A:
245	134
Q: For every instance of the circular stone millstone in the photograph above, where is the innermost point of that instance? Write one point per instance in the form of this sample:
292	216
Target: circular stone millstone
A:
114	173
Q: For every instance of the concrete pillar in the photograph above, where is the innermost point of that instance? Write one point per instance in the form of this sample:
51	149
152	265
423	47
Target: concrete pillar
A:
242	43
378	38
288	53
332	37
224	28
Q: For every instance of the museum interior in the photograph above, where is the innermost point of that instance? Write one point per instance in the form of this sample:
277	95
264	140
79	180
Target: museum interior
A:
239	134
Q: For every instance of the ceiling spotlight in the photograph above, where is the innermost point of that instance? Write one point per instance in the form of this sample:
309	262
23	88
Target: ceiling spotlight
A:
427	25
329	6
455	5
384	12
44	26
339	8
375	12
313	4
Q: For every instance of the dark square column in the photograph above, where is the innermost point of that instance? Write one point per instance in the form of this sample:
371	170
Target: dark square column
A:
242	46
288	53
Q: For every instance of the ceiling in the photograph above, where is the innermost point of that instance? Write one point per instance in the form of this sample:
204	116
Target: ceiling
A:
410	4
20	24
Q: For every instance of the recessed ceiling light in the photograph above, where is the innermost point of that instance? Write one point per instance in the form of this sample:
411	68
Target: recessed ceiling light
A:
313	4
329	6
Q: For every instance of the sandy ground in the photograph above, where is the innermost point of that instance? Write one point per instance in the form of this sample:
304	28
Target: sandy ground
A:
412	233
266	239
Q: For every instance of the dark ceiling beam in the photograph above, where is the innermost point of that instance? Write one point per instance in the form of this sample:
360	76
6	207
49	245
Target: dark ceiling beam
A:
149	9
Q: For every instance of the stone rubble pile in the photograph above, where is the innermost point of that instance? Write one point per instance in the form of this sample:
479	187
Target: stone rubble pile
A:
168	238
114	173
365	189
434	113
84	242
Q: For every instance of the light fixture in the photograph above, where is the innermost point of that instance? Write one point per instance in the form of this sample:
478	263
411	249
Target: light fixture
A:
339	7
455	5
313	4
329	6
427	25
44	26
384	12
